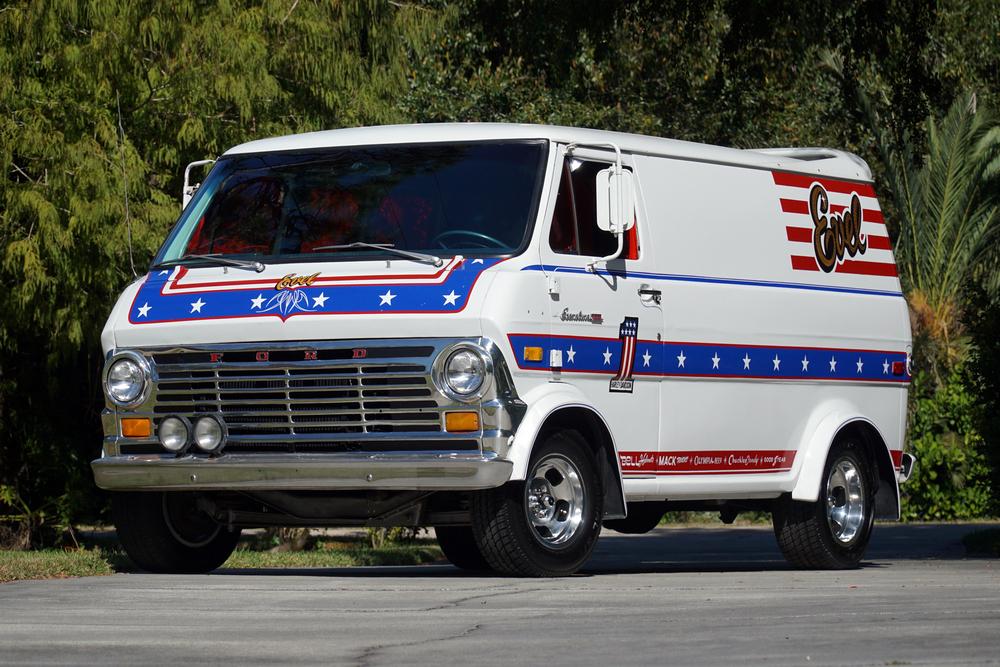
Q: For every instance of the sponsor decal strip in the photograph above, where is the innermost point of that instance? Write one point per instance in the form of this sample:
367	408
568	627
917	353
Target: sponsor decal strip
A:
710	462
292	295
581	354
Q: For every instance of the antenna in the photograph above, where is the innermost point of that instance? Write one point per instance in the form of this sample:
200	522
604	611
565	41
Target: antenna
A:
128	217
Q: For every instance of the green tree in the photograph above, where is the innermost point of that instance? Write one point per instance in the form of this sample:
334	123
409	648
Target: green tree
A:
101	105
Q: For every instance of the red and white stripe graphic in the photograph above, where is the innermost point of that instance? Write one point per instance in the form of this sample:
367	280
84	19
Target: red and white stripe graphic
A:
793	197
628	331
179	282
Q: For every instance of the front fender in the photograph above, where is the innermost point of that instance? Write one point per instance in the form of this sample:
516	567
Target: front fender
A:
551	402
542	402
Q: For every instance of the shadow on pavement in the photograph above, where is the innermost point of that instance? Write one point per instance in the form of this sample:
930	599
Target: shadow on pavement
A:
693	550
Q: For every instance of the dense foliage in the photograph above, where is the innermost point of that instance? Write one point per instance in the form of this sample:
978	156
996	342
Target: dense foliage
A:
103	103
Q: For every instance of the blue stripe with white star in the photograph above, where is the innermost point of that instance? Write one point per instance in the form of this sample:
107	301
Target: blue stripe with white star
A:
672	359
452	295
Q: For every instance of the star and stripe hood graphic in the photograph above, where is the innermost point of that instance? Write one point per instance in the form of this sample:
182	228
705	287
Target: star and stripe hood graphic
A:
181	294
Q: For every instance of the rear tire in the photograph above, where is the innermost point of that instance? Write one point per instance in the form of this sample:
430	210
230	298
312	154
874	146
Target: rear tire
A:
546	526
459	546
167	533
833	532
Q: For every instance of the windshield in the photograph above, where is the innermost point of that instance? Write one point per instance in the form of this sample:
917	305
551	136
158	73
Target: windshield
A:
467	198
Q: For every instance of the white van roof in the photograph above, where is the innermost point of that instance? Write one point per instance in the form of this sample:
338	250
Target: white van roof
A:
823	161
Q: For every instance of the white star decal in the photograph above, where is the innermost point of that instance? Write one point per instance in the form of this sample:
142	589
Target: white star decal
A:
860	365
607	356
805	363
144	309
715	360
645	358
196	306
746	361
477	261
258	302
570	354
450	299
833	364
320	301
164	272
680	359
777	362
885	367
386	299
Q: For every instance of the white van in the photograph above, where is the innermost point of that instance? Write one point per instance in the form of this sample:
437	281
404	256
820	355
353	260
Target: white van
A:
514	334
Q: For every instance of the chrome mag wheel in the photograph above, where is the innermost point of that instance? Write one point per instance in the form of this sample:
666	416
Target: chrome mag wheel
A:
554	500
845	501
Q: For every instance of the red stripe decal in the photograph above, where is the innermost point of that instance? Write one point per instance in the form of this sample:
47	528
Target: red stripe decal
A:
852	266
802	207
801	263
799	234
805	181
794	206
863	268
879	242
721	462
871	215
805	235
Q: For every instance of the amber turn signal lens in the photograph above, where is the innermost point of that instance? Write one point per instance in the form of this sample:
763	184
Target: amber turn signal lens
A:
133	427
461	422
532	354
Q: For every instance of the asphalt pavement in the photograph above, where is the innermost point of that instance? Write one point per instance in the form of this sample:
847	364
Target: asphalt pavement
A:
678	596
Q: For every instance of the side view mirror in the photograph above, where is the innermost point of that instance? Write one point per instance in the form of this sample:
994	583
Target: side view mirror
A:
615	200
189	188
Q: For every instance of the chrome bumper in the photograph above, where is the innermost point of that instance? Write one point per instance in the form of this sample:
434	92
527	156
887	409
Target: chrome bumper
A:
302	472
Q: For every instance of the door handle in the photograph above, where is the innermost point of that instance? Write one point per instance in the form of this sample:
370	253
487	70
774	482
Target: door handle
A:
647	291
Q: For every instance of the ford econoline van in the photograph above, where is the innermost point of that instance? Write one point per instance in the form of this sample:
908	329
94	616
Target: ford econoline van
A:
513	334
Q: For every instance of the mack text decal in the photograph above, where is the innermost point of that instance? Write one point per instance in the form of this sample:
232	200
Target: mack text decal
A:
177	296
833	226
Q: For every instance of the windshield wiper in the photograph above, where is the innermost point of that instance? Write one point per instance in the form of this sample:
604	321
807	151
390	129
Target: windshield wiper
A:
218	260
391	247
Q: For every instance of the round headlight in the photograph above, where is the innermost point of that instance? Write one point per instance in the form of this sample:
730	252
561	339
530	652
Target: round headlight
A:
126	380
465	372
208	434
173	433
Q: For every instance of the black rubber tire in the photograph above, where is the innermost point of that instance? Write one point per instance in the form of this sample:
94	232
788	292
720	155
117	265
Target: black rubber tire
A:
504	534
803	530
460	548
642	518
151	527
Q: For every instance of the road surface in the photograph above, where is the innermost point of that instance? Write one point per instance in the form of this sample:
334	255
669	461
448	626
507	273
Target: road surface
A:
678	596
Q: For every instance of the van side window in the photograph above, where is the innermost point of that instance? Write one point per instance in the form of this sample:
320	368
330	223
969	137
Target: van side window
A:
574	228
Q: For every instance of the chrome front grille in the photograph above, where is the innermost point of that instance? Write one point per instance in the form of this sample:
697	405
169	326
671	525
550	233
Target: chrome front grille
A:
293	402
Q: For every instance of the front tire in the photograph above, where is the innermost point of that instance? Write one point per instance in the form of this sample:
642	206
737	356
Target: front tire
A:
833	532
459	546
167	533
546	526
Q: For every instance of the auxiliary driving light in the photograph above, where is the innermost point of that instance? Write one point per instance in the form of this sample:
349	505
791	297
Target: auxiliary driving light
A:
173	433
209	434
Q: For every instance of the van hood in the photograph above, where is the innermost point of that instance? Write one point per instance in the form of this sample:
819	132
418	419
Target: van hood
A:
299	302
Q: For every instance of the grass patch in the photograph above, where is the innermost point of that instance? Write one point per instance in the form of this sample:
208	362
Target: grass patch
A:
53	564
107	557
350	556
983	543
